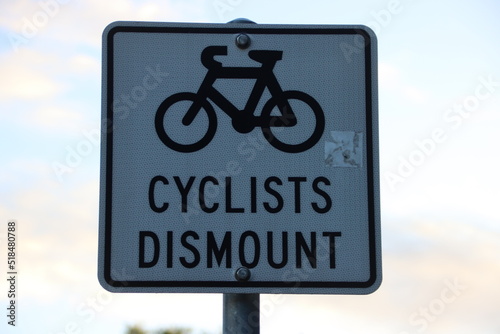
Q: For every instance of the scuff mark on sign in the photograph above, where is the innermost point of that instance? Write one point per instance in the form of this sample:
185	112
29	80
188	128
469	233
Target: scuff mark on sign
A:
345	149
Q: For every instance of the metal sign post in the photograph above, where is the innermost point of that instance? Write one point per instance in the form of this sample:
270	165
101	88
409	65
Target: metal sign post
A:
241	313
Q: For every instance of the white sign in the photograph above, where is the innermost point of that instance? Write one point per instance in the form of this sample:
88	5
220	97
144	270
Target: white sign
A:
239	158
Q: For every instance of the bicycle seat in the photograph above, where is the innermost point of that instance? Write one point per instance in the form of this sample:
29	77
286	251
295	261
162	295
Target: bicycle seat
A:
208	54
265	56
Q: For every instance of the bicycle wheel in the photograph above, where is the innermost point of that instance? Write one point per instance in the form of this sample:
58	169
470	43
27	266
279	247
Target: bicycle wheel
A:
205	135
303	144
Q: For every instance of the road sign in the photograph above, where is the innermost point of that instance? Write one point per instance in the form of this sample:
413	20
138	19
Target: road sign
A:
239	158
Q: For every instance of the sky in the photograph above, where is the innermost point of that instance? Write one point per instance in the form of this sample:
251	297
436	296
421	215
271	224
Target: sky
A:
439	112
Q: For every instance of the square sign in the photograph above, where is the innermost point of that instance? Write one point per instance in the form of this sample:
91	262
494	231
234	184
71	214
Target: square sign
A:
239	158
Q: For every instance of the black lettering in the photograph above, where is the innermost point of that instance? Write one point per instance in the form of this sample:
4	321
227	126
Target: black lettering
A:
151	192
142	245
322	193
212	249
187	245
229	208
184	191
284	250
203	204
273	192
310	252
297	181
170	249
253	194
331	239
256	242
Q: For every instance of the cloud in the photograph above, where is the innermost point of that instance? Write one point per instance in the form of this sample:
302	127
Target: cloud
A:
38	89
25	76
14	13
57	232
415	94
46	24
21	81
84	22
391	79
54	118
47	120
85	64
388	75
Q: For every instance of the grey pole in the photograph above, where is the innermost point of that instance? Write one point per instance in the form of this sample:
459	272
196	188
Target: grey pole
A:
241	313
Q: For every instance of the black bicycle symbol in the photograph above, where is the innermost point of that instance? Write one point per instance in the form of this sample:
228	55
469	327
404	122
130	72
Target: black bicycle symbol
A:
243	121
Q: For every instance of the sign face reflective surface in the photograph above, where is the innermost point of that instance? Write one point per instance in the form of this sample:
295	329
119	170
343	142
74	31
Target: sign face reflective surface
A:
239	158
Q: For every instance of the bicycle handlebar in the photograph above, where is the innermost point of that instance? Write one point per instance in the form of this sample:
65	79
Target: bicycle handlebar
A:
208	54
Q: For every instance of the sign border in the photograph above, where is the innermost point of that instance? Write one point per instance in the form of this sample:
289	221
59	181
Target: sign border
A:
371	95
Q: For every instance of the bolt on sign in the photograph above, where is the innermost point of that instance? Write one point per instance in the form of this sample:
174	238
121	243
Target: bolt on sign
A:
239	158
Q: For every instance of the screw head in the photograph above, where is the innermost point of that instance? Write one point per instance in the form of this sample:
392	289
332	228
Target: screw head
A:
242	41
242	274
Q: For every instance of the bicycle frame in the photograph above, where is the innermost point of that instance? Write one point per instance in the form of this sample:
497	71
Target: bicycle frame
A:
244	121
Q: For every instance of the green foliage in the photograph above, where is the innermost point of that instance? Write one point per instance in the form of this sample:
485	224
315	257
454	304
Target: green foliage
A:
174	331
136	329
